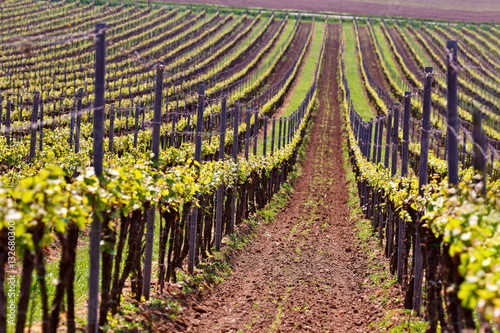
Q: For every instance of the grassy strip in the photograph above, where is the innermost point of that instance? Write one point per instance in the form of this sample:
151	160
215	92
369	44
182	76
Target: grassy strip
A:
305	80
271	56
303	61
384	48
307	75
417	47
360	101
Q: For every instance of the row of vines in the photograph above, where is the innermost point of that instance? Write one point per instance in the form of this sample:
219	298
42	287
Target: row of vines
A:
122	176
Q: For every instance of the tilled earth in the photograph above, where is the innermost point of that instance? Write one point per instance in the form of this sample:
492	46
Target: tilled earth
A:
303	271
454	10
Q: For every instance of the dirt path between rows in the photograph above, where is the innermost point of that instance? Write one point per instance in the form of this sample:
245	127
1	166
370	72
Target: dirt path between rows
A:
295	83
293	52
370	57
303	271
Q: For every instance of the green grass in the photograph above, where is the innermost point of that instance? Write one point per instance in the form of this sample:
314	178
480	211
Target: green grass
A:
417	48
360	101
305	80
34	313
390	62
307	75
244	43
275	50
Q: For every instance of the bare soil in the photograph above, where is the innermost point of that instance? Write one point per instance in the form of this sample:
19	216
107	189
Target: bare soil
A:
370	57
403	51
454	10
304	270
282	70
293	52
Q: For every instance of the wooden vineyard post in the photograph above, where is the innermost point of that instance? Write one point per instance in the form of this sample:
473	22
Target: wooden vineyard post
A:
172	132
235	130
480	151
136	125
235	158
289	128
492	161
33	125
285	122
406	134
157	114
369	133
256	132
356	129
264	147
150	224
388	140
143	112
279	133
395	138
273	133
366	143
388	228
450	278
361	135
375	141
40	140
401	266
464	151
1	111
394	165
111	128
53	125
364	137
374	160
247	147
247	132
197	159
95	230
379	144
211	127
7	123
422	180
72	126
220	189
452	99
367	138
78	119
294	122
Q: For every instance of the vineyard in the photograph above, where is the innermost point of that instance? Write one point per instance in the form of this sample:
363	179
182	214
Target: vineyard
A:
140	143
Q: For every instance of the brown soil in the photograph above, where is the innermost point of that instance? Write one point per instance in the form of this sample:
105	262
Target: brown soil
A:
403	51
303	271
282	70
370	57
437	50
267	36
365	93
474	53
442	10
285	64
391	54
293	52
